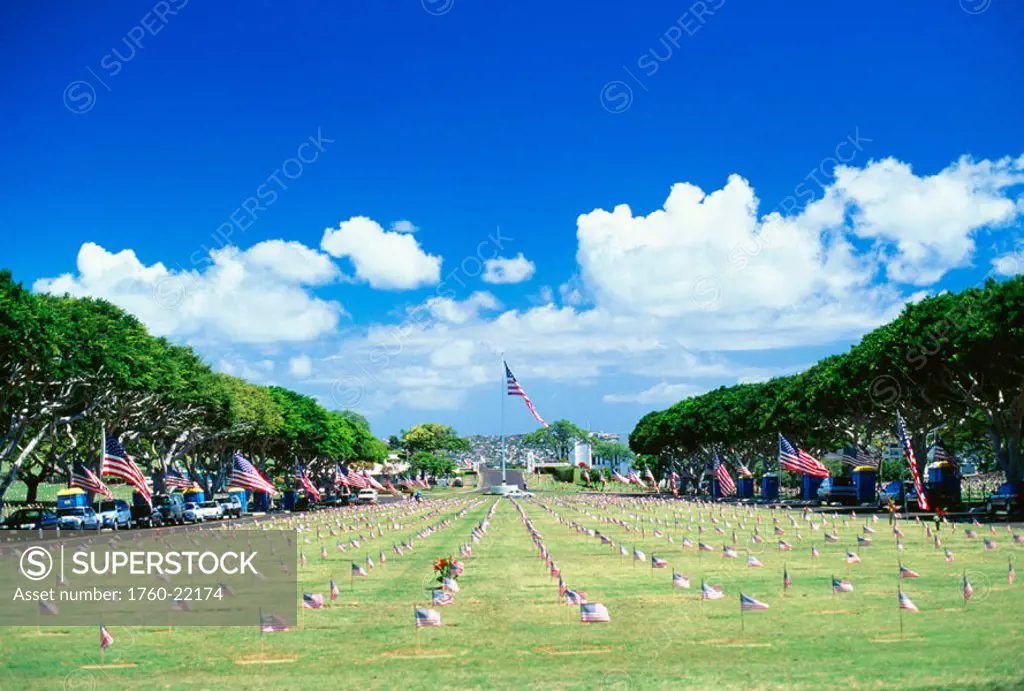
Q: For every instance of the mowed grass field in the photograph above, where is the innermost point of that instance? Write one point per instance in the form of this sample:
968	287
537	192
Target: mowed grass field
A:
509	629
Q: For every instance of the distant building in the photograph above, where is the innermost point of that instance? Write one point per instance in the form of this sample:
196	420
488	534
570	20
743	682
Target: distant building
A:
621	466
581	453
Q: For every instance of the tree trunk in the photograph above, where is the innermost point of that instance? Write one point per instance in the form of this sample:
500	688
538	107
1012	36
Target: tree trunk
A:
12	474
31	488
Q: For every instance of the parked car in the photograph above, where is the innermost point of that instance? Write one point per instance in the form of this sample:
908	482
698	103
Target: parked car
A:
211	511
114	513
895	492
78	518
171	507
192	513
144	517
30	519
1003	500
837	490
367	496
230	506
520	494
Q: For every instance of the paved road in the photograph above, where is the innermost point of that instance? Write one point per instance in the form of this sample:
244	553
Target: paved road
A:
49	535
492	476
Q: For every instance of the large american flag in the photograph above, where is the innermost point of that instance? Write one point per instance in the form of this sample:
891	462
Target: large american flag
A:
798	460
117	463
722	473
372	481
245	475
311	490
87	480
908	451
175	479
356	479
340	480
516	389
855	456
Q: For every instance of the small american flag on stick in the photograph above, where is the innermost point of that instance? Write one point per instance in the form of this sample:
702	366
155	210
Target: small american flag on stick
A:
427	617
593	612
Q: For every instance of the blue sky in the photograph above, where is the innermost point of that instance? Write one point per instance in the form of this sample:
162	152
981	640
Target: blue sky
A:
136	132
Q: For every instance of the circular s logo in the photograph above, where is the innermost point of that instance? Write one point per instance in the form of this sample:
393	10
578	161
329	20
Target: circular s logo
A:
885	390
616	97
36	563
79	97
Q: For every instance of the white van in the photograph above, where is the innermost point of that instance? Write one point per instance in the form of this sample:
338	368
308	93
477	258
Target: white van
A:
367	495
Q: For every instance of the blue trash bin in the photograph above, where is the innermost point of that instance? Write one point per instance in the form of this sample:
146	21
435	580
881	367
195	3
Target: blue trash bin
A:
809	487
770	487
865	479
745	488
260	502
73	497
288	502
242	496
716	489
943	487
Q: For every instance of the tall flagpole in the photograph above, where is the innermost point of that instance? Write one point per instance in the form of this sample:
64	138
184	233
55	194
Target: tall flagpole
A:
504	385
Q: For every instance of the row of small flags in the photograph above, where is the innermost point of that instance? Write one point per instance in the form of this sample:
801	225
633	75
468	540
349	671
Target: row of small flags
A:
596	612
713	592
439	597
590	612
851	557
445	595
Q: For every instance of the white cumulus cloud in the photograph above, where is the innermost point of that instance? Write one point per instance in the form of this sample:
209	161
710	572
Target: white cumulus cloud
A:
508	269
300	366
659	394
386	260
404	227
254	296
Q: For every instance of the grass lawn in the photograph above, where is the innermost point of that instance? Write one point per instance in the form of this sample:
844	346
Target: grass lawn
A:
508	628
48	492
